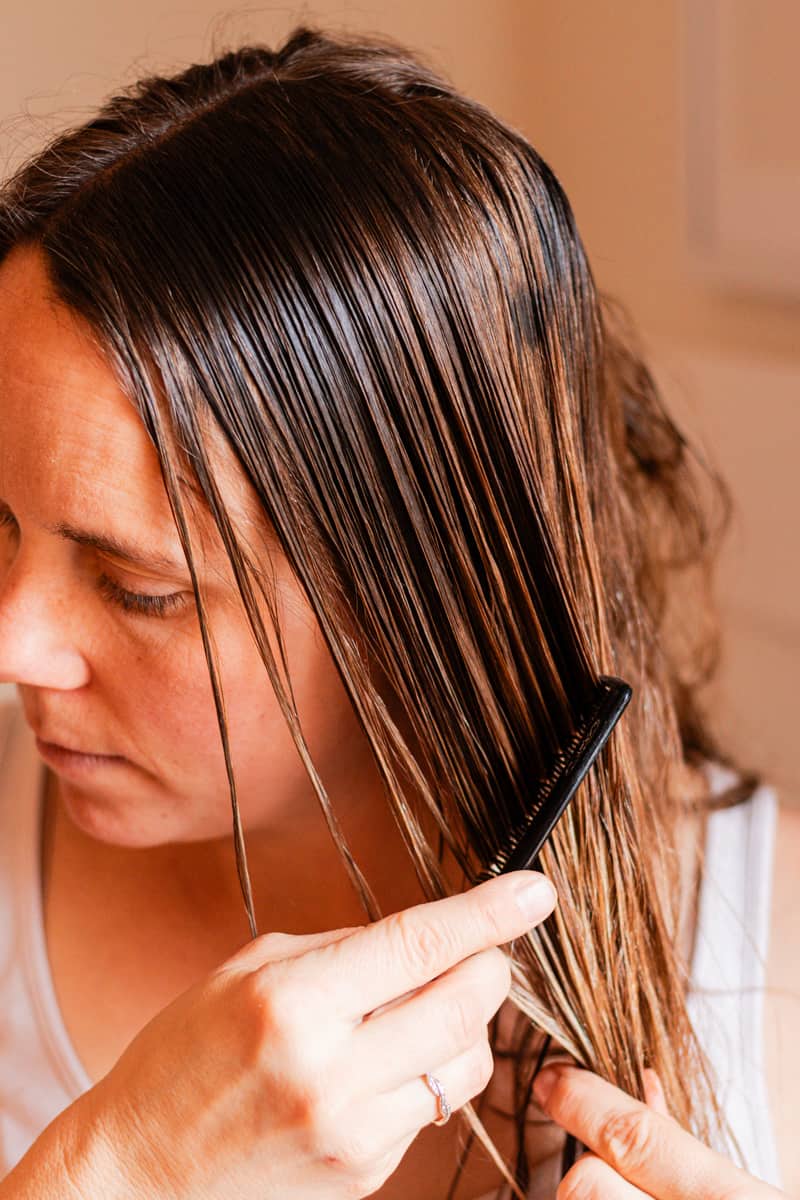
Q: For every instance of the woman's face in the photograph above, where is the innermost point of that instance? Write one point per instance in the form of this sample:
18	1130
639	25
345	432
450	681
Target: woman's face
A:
85	528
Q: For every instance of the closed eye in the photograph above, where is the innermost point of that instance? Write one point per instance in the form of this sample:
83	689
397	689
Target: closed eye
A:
143	603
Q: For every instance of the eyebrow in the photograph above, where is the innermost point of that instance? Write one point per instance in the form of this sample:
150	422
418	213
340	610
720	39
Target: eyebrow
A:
108	543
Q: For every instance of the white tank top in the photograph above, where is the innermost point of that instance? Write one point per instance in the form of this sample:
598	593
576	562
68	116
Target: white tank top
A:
41	1074
726	1001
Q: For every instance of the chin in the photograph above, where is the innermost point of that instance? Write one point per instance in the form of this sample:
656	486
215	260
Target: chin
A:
110	820
139	823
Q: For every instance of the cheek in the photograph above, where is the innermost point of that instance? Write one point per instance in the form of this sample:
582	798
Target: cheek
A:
268	766
262	747
162	694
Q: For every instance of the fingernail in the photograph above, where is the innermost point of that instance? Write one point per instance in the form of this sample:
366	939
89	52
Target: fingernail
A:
544	1083
536	897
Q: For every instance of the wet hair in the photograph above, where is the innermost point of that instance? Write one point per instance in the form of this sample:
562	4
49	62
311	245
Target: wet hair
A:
373	292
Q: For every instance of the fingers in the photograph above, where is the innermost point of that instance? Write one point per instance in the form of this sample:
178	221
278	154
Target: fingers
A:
379	1129
649	1150
411	1106
409	948
439	1022
593	1179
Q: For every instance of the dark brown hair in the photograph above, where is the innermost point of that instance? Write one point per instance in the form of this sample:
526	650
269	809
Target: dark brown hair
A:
376	293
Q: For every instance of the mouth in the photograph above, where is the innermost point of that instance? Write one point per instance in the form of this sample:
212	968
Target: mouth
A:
70	761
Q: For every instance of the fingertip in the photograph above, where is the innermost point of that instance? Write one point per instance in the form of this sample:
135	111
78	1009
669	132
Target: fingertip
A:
534	894
654	1096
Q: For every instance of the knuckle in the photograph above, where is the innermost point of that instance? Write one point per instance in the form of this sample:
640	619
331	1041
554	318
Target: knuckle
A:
494	920
269	1018
500	974
273	946
466	1019
255	1007
481	1068
347	1151
267	1000
288	1005
266	947
629	1139
423	945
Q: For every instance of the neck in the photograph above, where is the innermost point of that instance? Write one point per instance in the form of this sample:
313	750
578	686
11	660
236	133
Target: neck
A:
299	882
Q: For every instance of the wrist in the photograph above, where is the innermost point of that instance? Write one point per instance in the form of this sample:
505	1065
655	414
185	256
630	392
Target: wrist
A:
73	1158
87	1151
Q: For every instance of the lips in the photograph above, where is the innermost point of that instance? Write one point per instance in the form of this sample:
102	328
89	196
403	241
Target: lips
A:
76	764
49	737
66	744
51	743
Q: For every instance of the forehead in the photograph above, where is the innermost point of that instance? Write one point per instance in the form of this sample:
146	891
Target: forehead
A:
62	410
72	438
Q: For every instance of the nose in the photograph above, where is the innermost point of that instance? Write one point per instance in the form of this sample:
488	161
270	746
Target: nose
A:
36	646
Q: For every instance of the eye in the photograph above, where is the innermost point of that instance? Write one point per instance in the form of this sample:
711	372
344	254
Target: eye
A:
7	522
140	602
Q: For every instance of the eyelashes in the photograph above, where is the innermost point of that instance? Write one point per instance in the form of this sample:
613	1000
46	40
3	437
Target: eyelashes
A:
140	602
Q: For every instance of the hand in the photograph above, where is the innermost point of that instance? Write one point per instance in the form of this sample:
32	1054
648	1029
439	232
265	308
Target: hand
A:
640	1151
295	1069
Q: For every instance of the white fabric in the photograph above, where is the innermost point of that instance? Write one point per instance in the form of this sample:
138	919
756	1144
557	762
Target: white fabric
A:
726	1004
40	1073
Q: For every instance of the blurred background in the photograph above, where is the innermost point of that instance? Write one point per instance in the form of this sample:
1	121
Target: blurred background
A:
673	127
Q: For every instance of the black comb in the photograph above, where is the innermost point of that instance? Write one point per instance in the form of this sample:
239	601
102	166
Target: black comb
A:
555	790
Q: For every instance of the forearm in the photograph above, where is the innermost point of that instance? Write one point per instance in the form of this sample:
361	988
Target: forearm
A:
71	1159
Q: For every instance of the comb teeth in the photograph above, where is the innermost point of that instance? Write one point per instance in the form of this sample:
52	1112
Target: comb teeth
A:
558	787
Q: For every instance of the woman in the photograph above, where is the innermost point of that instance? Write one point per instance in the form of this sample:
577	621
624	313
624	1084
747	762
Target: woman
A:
303	368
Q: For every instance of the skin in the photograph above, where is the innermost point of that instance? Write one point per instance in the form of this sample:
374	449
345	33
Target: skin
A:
138	853
98	677
635	1150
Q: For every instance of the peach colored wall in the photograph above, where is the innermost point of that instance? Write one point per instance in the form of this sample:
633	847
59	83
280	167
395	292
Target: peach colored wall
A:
596	88
605	108
60	56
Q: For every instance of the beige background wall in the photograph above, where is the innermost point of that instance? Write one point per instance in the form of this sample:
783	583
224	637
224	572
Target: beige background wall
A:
597	88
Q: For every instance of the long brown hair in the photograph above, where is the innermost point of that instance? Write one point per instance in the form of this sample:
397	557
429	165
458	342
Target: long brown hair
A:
376	293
